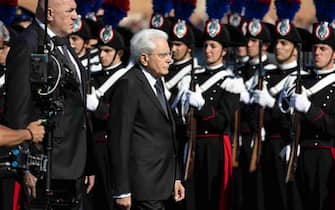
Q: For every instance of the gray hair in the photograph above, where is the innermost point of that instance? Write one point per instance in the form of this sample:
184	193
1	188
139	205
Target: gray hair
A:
4	32
143	42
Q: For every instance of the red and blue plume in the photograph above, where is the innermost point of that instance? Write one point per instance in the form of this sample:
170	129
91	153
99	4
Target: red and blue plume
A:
236	6
216	9
183	9
256	9
325	10
8	11
114	11
85	7
286	9
162	6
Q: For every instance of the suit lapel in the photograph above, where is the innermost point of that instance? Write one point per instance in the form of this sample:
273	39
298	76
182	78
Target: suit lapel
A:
150	93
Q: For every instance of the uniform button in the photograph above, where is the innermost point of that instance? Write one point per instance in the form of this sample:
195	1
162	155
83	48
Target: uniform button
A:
214	91
319	77
253	67
105	136
211	98
331	90
206	132
316	144
324	105
218	84
327	97
268	76
195	77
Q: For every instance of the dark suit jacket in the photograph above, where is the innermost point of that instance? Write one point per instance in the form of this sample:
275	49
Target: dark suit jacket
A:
143	144
70	143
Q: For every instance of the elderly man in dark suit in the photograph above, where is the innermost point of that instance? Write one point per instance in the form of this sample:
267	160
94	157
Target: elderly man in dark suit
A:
25	102
143	143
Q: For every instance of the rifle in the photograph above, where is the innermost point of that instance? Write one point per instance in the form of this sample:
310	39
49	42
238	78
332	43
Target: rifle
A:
236	126
192	132
256	150
292	164
236	138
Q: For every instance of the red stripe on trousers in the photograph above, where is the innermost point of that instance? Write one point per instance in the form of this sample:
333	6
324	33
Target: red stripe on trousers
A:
16	196
227	174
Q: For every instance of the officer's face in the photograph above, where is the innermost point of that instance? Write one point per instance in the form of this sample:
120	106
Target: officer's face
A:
285	51
4	49
323	56
108	57
180	51
158	61
252	49
214	52
78	44
242	51
62	14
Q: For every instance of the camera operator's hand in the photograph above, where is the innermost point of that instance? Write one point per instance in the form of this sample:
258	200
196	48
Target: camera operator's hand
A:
92	100
89	182
30	181
36	130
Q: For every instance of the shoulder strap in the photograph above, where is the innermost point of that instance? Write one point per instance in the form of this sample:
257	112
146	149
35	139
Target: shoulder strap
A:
321	84
213	79
111	80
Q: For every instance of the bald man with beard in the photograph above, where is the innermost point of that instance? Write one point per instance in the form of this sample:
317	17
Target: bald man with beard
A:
70	146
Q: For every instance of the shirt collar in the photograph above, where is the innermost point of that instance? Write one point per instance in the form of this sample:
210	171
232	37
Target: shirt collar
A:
255	61
151	79
324	71
42	25
286	66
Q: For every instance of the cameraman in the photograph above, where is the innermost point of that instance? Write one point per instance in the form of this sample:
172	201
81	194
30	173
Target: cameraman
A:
34	132
67	102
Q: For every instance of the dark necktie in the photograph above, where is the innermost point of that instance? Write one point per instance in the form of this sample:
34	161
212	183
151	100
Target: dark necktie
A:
160	95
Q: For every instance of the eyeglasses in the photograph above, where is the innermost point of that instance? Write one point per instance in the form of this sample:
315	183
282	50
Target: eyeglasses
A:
162	55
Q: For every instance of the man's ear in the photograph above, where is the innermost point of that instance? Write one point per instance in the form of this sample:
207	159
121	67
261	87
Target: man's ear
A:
50	14
144	59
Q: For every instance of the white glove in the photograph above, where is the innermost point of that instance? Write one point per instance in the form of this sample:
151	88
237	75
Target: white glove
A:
286	151
300	102
167	93
245	97
92	100
195	99
263	98
233	85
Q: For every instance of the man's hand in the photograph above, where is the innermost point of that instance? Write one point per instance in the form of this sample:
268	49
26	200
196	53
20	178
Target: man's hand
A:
89	181
30	181
124	203
37	131
179	191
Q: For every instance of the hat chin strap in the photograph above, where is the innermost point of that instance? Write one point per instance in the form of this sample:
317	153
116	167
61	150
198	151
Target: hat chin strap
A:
116	51
288	58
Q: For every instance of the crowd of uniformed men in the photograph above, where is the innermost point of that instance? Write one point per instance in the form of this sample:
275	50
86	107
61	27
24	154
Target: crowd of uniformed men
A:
227	99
